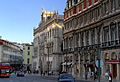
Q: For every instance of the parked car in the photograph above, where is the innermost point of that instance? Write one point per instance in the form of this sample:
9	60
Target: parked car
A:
66	78
20	74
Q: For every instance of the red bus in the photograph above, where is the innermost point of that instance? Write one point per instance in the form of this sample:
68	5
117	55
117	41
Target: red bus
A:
5	70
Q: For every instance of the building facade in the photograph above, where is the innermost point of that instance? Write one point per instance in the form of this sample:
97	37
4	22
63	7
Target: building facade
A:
9	52
27	56
47	42
92	34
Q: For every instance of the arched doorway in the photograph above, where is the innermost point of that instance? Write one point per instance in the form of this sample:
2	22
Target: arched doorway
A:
107	65
114	65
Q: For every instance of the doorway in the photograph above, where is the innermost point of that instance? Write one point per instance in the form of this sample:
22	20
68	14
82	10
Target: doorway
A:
114	70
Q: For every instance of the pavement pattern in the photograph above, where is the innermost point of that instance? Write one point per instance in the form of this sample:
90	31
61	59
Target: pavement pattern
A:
36	78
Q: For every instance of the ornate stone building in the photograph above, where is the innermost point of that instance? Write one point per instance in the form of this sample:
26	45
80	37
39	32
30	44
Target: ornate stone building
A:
92	33
48	42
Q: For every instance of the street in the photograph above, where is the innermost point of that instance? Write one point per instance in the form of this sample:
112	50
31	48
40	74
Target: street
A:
31	78
27	78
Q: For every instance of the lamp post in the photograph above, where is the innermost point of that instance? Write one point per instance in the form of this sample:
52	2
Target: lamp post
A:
99	64
48	60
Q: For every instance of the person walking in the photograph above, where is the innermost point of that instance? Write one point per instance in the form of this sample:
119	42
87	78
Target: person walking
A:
110	77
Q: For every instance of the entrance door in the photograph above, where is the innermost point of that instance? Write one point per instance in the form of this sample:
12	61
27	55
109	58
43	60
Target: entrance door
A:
114	70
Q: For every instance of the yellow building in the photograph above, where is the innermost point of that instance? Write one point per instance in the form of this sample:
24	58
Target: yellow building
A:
27	56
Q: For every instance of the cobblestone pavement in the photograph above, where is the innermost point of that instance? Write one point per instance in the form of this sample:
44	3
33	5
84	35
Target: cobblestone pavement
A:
38	78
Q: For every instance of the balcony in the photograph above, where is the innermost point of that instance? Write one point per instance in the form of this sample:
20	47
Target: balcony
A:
111	44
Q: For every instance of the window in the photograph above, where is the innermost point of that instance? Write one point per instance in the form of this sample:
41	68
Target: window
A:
28	47
92	36
72	2
106	6
98	11
79	0
98	34
77	39
106	34
28	52
113	32
82	39
85	18
119	30
112	4
76	1
28	60
81	20
85	4
119	3
70	58
69	3
87	38
91	14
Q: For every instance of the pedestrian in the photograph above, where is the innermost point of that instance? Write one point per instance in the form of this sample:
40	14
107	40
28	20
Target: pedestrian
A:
92	75
110	77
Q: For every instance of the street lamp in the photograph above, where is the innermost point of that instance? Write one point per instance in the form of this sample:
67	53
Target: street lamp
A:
48	60
99	63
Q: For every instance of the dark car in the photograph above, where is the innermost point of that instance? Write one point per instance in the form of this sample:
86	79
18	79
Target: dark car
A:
20	74
66	78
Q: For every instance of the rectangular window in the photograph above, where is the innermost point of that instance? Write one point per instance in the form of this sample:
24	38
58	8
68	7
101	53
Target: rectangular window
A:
98	35
92	36
77	39
28	48
81	39
106	6
81	20
119	30
80	7
119	3
76	1
69	3
98	12
92	14
28	60
95	1
106	34
85	18
87	38
112	4
113	32
90	2
28	52
85	4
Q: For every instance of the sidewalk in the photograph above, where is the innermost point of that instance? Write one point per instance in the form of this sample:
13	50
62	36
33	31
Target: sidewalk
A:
55	77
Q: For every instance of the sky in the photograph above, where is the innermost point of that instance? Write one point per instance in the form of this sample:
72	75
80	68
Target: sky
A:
19	17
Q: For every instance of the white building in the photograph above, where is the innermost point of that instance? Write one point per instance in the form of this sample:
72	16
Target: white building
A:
9	52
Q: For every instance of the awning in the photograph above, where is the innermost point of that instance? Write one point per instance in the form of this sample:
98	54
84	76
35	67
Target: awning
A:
112	61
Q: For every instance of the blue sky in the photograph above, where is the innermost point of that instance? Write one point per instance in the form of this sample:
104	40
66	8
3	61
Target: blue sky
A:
19	17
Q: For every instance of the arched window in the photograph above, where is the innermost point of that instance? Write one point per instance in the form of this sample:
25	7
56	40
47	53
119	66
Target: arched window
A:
113	56
107	57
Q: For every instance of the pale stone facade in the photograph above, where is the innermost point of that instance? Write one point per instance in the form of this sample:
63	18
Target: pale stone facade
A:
91	33
48	42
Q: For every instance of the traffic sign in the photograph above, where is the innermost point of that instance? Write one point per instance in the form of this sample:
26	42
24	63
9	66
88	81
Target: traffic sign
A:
101	63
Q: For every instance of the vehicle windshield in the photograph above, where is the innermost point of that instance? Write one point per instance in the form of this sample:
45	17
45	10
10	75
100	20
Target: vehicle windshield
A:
66	76
5	70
